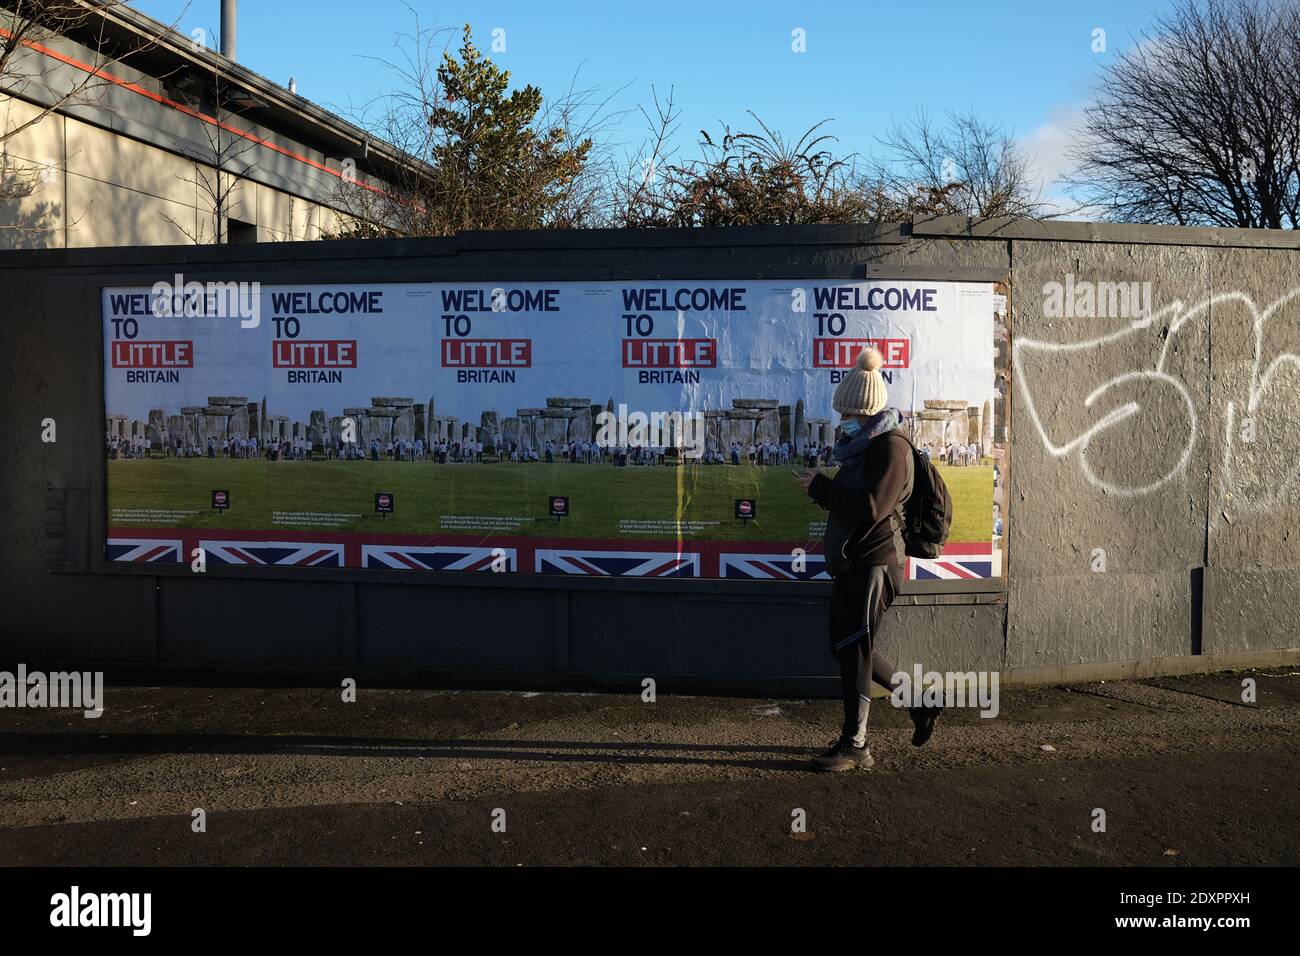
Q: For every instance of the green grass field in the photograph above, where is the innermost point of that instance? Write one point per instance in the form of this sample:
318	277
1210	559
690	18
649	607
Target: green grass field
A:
601	496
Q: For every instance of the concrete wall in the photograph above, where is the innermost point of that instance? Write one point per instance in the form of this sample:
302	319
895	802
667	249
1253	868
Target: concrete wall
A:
1191	494
1126	447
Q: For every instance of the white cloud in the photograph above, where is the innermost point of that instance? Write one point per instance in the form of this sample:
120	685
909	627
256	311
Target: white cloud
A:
1047	144
1047	147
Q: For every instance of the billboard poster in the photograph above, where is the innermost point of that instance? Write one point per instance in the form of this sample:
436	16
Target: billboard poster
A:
627	428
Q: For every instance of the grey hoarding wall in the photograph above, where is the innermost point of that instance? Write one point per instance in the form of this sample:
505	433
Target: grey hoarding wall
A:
1145	534
1191	496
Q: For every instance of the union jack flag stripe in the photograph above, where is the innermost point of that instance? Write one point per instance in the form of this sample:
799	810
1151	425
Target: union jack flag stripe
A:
435	557
780	566
961	560
144	550
629	564
965	561
282	553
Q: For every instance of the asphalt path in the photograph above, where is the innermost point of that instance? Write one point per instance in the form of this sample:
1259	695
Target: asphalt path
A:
1181	771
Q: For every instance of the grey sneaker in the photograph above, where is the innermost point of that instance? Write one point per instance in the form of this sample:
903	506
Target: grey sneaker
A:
843	756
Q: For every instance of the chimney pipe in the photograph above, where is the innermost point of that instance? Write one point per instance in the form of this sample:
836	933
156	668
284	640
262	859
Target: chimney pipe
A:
228	29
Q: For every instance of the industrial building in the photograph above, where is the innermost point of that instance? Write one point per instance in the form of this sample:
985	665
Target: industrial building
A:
139	120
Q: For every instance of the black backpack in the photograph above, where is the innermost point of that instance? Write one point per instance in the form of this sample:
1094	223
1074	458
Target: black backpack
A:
927	513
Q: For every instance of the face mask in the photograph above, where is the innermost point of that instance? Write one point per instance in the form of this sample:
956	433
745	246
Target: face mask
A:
851	427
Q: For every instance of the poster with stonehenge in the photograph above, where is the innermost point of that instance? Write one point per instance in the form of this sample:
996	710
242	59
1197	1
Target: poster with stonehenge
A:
626	428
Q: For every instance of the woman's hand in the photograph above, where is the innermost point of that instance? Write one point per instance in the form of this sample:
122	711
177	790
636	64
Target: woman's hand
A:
805	479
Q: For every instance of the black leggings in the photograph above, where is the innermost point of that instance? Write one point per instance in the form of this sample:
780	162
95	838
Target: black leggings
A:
859	599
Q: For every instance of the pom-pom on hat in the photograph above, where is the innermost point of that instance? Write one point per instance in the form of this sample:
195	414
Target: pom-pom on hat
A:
862	390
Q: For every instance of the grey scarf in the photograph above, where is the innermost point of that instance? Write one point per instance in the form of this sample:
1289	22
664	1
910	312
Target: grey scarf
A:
847	449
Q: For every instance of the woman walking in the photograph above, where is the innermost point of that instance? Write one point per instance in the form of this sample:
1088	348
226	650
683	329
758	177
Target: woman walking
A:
864	551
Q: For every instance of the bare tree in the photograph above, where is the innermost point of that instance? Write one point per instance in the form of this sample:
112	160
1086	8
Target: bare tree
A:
584	116
634	185
1199	123
963	166
400	117
220	162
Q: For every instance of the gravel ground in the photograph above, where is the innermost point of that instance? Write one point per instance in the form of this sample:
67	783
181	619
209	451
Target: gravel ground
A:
1184	770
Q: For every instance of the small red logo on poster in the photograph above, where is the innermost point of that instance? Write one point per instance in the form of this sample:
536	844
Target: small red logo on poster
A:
843	353
317	353
131	353
670	353
487	353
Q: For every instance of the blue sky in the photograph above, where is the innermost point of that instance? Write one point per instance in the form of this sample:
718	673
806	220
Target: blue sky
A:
1026	64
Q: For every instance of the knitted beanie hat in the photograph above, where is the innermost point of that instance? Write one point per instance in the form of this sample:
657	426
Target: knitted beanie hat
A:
862	390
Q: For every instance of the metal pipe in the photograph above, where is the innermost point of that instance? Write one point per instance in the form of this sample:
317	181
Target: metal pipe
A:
228	29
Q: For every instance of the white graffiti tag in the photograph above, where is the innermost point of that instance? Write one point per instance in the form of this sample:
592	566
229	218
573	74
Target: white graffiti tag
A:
1046	373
